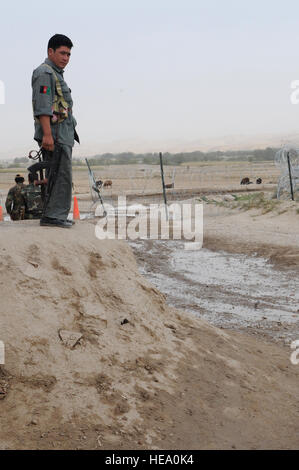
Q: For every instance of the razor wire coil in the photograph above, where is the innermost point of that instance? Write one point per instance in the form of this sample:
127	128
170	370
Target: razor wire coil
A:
288	154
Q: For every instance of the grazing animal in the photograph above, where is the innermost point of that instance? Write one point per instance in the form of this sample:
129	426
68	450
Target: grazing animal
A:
259	181
168	186
245	181
107	184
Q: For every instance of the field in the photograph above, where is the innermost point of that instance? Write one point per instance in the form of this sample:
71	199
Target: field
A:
146	179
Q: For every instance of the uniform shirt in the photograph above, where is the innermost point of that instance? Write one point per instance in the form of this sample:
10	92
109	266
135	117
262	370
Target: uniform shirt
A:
15	203
33	201
43	94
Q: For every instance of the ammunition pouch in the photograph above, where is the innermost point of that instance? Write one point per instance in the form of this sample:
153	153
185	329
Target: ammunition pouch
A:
60	106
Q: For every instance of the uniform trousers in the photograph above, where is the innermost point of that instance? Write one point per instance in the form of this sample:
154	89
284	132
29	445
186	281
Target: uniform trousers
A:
60	200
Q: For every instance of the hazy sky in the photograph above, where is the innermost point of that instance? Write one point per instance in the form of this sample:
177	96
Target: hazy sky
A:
150	71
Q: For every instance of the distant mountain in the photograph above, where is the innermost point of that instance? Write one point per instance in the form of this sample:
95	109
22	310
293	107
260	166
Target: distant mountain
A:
209	144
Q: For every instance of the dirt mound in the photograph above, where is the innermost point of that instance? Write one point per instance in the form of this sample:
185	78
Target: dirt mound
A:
96	359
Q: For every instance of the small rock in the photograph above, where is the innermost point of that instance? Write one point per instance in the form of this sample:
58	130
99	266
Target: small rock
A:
124	321
228	197
35	265
69	338
4	385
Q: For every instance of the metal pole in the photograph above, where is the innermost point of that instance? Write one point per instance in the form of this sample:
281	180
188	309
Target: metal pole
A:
290	175
163	185
95	188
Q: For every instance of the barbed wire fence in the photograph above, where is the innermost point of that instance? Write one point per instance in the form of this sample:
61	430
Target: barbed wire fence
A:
142	183
287	161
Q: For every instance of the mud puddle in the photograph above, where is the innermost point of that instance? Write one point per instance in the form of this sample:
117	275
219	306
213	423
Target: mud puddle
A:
229	290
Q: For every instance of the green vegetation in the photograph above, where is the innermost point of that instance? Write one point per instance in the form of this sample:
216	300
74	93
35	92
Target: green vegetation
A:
183	158
256	201
13	169
77	162
127	158
246	202
19	163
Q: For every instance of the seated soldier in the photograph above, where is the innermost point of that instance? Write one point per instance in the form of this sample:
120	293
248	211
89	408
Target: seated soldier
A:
32	197
14	202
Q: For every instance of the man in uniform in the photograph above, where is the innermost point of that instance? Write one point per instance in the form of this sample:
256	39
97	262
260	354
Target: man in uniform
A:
32	197
14	202
55	128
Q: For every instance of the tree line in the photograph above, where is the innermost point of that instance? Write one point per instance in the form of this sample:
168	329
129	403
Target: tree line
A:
127	158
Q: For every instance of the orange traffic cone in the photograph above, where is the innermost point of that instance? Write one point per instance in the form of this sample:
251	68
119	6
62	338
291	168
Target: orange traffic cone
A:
76	213
1	214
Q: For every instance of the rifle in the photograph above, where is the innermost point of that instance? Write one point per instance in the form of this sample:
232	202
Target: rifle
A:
37	168
51	166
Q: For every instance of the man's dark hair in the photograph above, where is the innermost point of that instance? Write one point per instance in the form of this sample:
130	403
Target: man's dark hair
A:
59	40
19	179
32	177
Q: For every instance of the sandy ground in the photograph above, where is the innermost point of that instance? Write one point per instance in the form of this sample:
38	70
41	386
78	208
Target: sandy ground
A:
143	375
274	234
96	359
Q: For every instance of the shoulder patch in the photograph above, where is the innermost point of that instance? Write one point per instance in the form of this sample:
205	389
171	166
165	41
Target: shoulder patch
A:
44	90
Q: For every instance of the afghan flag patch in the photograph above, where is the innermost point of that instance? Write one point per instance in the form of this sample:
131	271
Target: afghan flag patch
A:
44	90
